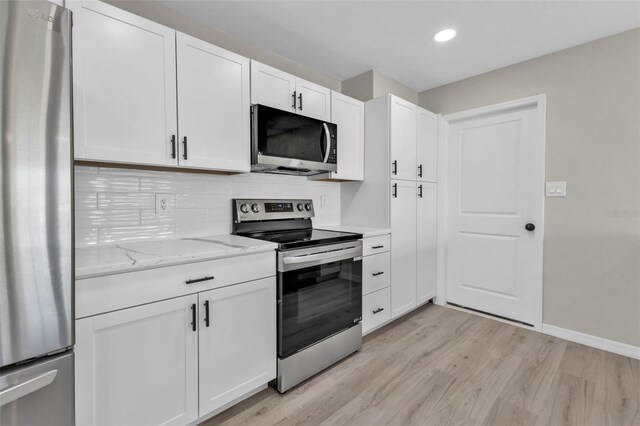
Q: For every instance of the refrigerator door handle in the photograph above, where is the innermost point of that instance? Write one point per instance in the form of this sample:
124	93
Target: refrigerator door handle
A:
14	392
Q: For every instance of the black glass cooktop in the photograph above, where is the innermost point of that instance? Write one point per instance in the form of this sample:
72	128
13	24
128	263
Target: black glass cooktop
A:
302	237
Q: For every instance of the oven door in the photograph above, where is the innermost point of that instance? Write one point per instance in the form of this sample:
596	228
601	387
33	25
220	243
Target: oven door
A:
319	294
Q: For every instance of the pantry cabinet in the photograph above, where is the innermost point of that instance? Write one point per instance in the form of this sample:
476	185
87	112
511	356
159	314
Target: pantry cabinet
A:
138	365
213	106
124	86
401	195
137	82
237	341
426	239
427	145
403	246
278	89
403	137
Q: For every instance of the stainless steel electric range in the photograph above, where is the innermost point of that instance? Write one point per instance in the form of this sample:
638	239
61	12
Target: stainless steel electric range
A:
319	285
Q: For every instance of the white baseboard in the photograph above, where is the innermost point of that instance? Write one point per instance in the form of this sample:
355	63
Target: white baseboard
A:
594	341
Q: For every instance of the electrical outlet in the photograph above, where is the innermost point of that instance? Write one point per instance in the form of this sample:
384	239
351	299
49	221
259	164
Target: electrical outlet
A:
163	204
323	201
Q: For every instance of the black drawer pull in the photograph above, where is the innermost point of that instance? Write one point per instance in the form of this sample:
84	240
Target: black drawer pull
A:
206	313
375	311
377	247
199	280
375	274
193	317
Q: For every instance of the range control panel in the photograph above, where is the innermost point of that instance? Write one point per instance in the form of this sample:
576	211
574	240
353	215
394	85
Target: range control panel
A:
245	210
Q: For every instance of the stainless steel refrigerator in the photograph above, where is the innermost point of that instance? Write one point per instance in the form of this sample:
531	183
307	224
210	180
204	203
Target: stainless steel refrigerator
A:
36	215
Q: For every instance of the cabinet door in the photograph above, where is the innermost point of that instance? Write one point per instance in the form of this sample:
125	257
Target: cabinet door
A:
348	114
272	87
313	100
238	345
403	139
138	366
213	106
427	146
403	246
124	86
426	240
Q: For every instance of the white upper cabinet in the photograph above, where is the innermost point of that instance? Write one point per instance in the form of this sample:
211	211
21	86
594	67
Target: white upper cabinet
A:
348	114
403	139
124	87
237	341
426	229
281	90
427	148
138	366
213	106
313	100
272	87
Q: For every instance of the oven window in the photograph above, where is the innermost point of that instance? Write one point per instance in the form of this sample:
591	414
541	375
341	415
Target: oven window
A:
317	302
287	135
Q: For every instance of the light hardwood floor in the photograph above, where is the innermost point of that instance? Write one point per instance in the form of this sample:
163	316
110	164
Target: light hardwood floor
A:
441	366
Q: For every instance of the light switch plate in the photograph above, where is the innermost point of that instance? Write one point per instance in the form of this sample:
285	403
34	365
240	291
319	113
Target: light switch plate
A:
556	189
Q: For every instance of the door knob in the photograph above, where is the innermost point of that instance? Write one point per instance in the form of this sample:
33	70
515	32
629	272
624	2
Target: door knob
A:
529	227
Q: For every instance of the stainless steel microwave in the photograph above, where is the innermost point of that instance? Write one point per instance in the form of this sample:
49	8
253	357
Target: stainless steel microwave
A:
287	143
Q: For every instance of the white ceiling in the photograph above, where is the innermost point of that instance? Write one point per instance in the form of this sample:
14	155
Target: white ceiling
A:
345	38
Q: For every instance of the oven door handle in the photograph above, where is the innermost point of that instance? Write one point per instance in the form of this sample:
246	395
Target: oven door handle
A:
299	262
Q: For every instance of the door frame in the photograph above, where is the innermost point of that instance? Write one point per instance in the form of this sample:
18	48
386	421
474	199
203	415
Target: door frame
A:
539	102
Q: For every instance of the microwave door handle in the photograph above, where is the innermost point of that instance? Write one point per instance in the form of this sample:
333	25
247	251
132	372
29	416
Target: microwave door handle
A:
327	147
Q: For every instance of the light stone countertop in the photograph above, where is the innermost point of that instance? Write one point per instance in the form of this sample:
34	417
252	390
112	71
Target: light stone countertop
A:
356	229
127	257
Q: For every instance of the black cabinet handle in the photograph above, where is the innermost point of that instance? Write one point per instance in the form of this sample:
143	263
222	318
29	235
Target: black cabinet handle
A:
184	143
173	146
420	170
394	168
420	191
294	99
395	190
375	274
375	311
206	313
377	247
193	317
300	101
199	280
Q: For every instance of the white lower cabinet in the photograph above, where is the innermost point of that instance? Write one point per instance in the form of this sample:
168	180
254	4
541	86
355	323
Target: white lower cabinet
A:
376	309
426	247
177	360
138	366
403	247
237	341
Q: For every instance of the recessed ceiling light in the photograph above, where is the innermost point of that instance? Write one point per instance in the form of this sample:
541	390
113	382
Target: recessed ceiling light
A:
445	35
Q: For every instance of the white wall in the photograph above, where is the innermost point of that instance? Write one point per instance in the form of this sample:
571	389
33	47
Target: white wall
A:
373	83
592	237
114	205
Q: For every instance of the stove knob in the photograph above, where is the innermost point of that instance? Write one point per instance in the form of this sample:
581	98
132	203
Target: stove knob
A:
255	208
244	208
300	207
308	207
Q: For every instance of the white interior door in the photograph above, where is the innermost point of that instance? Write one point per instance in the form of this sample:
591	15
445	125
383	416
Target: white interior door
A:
496	188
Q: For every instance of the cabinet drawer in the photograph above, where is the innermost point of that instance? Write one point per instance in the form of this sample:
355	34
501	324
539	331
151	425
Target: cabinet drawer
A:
376	245
376	309
112	292
376	272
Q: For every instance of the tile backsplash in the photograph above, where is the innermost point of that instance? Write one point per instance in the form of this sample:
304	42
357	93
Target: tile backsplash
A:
116	205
